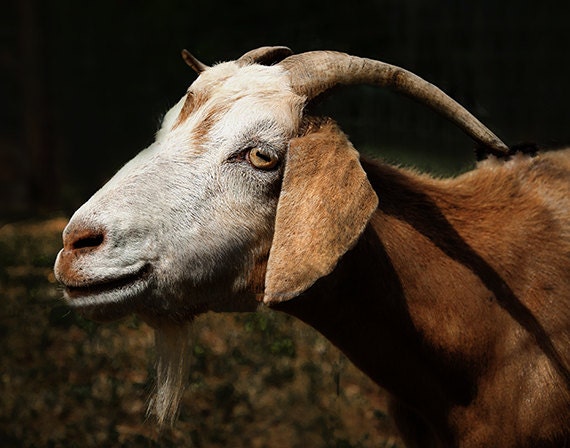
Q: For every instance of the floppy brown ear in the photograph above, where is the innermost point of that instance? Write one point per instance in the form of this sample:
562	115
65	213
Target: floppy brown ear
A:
325	203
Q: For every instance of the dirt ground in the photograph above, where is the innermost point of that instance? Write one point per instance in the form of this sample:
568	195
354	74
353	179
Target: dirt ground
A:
257	380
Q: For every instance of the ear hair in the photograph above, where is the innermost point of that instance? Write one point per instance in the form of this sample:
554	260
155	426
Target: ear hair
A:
325	204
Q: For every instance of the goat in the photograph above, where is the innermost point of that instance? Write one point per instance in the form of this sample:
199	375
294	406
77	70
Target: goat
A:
452	294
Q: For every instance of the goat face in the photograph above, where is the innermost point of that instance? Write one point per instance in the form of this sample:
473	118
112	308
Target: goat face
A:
180	227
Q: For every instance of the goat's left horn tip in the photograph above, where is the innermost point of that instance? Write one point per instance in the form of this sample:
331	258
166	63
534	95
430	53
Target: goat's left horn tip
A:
192	62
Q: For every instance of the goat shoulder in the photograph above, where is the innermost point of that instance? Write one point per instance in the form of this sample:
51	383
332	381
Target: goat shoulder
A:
470	277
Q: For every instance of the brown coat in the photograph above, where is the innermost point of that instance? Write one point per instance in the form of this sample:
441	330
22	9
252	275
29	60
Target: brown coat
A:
456	298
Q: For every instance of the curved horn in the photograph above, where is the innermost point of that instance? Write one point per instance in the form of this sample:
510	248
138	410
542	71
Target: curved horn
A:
265	55
192	62
315	72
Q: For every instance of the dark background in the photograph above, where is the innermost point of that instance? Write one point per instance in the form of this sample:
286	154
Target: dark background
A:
83	84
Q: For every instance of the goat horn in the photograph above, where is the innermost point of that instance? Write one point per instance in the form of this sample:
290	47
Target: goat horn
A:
192	62
313	73
265	55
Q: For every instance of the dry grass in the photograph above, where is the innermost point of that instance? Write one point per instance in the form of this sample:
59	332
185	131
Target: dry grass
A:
257	380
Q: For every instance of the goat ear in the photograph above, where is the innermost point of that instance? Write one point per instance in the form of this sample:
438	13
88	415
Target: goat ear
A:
325	203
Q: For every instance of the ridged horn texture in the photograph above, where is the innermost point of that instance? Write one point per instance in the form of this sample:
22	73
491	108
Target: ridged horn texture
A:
265	55
313	73
192	62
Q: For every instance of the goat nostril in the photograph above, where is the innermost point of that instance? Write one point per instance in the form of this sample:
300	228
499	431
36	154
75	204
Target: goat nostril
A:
88	241
83	238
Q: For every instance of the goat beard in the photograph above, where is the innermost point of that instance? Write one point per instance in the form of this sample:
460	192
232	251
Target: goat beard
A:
172	341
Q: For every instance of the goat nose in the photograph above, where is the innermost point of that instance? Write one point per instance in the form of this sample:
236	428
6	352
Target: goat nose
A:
79	239
83	238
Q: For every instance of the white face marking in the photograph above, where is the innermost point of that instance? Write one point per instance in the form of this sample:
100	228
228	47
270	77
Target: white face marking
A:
189	212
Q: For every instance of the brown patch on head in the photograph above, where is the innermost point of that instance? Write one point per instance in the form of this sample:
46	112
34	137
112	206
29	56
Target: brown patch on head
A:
197	96
193	101
202	129
211	116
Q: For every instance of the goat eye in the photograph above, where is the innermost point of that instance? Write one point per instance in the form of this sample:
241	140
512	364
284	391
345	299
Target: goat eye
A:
261	160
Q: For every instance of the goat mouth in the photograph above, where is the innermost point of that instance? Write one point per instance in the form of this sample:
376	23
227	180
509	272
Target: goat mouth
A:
123	285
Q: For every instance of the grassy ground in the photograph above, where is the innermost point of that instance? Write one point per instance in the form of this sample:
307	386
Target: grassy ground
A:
258	380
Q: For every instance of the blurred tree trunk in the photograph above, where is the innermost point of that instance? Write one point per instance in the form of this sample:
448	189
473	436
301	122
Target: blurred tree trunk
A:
36	117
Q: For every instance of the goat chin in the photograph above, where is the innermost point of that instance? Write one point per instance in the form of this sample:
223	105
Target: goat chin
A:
103	312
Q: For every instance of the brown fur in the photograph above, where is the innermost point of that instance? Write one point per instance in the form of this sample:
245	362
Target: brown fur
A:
187	108
202	129
456	299
80	240
305	250
192	102
454	295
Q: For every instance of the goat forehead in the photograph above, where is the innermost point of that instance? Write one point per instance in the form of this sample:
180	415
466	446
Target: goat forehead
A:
225	85
235	100
274	116
229	78
228	100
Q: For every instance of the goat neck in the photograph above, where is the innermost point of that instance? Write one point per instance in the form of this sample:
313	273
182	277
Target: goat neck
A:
427	273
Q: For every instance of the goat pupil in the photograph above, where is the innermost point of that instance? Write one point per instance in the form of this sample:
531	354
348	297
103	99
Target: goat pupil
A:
264	157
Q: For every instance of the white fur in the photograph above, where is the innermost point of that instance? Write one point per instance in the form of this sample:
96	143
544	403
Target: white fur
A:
189	213
186	210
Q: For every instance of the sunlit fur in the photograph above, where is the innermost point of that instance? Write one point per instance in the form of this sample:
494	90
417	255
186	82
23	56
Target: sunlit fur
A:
452	294
456	297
